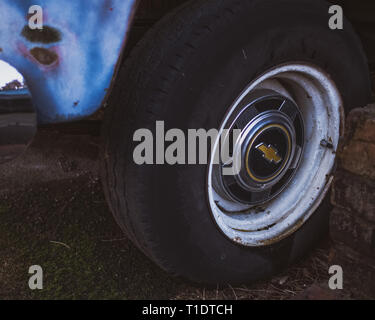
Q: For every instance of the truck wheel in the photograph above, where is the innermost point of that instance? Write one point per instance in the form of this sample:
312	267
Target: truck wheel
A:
271	68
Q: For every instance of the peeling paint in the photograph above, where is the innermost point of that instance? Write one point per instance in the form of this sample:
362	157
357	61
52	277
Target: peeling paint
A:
44	56
46	35
73	58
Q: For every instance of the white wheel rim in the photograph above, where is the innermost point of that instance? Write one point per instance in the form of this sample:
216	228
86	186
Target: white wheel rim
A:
321	106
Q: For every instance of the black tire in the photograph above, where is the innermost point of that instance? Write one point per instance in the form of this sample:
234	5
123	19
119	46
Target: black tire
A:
176	74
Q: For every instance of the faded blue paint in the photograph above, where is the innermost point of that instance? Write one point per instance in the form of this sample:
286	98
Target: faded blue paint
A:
92	33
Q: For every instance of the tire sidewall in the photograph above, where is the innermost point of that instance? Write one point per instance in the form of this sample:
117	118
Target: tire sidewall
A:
210	72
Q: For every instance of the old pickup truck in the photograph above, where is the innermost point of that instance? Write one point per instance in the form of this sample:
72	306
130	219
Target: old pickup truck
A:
280	71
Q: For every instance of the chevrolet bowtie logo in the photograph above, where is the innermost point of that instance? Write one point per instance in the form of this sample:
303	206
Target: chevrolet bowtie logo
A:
269	153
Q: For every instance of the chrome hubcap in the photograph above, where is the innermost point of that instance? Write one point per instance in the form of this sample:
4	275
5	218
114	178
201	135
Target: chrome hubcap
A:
269	148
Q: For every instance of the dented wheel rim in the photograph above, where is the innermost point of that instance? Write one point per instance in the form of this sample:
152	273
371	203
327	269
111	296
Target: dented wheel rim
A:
291	119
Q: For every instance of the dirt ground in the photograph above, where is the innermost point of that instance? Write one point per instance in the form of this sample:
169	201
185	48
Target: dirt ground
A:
53	213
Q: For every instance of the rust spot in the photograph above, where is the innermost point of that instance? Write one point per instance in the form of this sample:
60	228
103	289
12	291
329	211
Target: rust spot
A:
44	56
75	103
45	35
298	224
1	50
238	240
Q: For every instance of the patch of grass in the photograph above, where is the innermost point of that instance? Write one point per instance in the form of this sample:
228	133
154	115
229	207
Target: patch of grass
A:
66	228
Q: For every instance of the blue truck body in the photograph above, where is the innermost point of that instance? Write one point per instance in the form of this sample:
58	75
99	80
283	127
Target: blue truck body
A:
70	63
